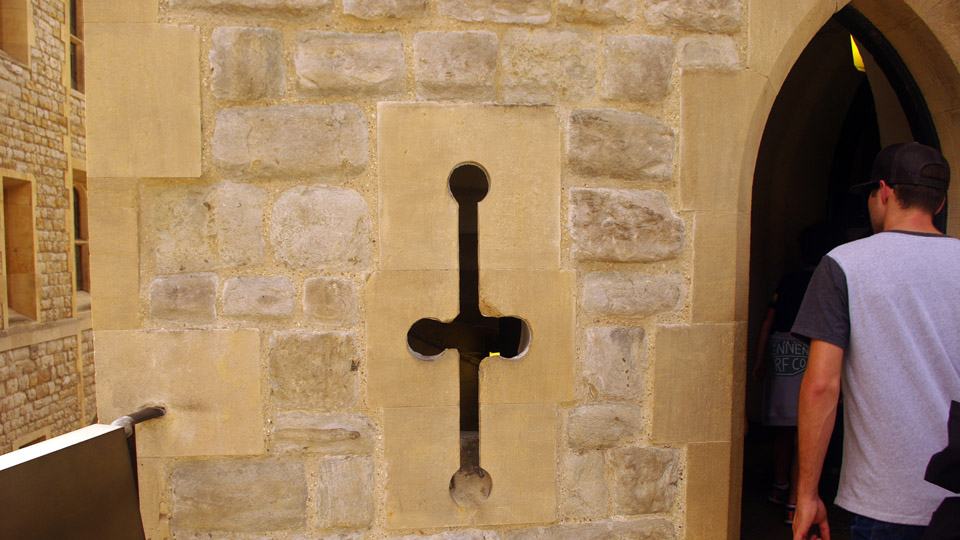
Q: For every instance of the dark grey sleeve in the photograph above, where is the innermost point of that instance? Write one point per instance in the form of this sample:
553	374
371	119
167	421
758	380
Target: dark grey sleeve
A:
824	314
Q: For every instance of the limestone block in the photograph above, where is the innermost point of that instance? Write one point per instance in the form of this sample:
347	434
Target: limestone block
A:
395	301
210	388
709	489
461	534
703	15
295	140
237	211
332	300
152	486
143	100
613	362
114	252
248	495
771	52
621	225
455	65
247	63
502	11
634	529
696	361
708	51
259	297
548	66
314	370
336	433
186	298
337	63
382	9
130	11
585	486
345	494
637	68
291	6
321	227
597	11
545	301
619	294
618	144
644	480
603	425
517	147
721	240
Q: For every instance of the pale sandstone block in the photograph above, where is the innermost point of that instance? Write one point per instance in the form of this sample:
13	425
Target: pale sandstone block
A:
613	362
336	63
618	144
597	11
637	68
255	297
293	6
547	66
345	494
621	225
467	534
143	100
237	211
250	495
321	227
720	240
703	15
210	388
455	65
332	300
298	140
634	529
644	480
586	489
382	9
130	11
336	433
188	298
115	252
603	426
314	370
502	11
619	294
247	63
709	490
708	52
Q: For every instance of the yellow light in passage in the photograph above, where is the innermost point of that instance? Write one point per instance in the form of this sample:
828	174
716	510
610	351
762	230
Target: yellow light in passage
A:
857	58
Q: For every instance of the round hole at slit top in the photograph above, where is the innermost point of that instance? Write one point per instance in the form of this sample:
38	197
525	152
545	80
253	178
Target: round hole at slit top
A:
468	183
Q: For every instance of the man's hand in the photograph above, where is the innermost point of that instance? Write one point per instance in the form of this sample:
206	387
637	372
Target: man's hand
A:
809	513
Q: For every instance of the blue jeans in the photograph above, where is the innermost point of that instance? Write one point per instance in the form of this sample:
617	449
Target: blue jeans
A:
864	528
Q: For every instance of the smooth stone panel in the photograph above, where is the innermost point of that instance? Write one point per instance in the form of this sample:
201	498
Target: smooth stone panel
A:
720	268
345	497
709	491
115	253
128	11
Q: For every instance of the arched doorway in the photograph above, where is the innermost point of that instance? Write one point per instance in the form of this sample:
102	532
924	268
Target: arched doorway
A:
830	117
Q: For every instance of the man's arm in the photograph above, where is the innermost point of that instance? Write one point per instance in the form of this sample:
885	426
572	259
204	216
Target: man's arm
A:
818	412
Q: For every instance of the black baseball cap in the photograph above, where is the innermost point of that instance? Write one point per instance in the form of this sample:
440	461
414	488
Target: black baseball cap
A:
908	163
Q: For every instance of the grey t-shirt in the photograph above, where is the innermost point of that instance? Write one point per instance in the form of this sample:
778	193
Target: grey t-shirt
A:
892	302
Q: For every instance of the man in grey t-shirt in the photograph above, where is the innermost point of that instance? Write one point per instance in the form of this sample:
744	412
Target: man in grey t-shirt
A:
882	316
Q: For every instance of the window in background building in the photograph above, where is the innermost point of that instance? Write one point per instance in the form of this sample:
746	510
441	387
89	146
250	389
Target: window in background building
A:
19	255
81	240
76	45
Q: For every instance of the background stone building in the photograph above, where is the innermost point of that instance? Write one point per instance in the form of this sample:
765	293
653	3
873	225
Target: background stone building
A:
46	345
281	191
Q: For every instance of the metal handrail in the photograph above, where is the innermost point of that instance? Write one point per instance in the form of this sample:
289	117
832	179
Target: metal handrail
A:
147	413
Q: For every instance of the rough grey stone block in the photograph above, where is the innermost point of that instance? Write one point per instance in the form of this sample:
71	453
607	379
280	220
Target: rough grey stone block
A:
703	15
333	300
383	9
465	534
502	11
637	68
618	144
547	66
709	52
321	227
619	294
613	362
584	485
295	6
604	425
255	297
241	495
345	495
623	225
299	140
597	11
644	480
186	298
337	433
455	65
634	529
247	63
337	63
315	371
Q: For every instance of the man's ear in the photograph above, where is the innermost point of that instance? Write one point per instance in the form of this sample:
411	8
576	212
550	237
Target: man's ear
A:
885	191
